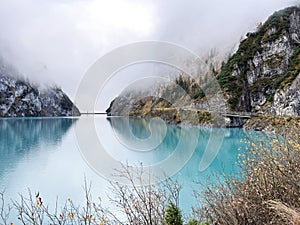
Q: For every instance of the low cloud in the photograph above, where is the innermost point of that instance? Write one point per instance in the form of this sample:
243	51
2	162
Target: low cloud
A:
53	41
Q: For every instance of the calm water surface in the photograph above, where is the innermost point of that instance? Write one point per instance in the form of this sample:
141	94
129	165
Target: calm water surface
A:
43	155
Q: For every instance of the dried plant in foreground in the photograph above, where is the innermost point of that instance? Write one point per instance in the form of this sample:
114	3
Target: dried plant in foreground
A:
266	191
143	202
33	210
139	202
292	216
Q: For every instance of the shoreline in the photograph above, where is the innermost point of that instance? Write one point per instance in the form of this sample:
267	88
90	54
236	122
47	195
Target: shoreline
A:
260	122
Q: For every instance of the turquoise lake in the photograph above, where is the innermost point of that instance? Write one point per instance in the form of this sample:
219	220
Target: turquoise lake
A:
43	154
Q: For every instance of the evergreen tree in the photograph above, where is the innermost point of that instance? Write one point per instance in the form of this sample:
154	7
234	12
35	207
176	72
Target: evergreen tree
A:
173	215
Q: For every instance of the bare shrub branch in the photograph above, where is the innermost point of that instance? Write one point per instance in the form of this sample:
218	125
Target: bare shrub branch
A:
4	210
143	202
270	172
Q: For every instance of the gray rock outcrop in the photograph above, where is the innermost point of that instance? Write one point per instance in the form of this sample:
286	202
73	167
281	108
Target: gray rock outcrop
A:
18	98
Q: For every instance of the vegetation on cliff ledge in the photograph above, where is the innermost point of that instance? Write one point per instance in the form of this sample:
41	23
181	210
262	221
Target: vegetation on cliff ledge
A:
273	123
234	84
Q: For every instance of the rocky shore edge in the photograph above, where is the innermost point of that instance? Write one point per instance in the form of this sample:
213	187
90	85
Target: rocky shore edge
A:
192	117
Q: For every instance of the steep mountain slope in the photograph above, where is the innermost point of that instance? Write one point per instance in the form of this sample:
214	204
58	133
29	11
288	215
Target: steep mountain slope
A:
18	98
265	66
261	76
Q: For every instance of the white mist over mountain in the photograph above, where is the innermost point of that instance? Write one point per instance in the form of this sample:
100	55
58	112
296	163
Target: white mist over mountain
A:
55	41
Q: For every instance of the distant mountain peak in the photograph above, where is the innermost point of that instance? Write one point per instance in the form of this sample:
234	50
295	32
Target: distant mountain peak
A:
19	98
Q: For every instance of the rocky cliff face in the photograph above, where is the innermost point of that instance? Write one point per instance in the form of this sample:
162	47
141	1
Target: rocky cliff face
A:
18	98
259	76
287	101
56	103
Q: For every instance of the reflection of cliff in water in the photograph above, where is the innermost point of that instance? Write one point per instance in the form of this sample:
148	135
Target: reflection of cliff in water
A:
140	128
223	159
20	137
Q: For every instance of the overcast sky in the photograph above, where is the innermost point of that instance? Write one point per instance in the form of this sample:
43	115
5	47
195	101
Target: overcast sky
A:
55	41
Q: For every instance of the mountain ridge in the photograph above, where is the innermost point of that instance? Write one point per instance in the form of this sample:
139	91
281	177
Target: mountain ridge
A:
266	62
19	98
262	76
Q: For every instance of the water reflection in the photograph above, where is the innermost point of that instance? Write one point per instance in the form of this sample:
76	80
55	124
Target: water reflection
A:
42	154
201	163
24	136
190	143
